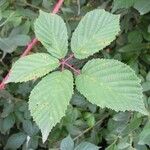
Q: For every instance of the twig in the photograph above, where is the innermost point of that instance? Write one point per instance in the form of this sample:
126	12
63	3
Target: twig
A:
90	128
31	44
79	7
33	6
7	19
29	5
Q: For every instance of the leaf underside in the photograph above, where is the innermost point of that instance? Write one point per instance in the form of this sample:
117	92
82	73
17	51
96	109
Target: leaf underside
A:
49	100
112	84
95	31
51	31
32	67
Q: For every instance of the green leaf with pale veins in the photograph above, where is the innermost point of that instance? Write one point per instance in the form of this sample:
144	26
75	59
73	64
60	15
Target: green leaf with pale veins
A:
119	4
49	100
51	31
86	146
32	67
67	143
144	135
95	31
15	141
112	84
143	6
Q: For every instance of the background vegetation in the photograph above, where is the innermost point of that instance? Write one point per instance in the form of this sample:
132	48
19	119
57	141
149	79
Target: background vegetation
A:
85	126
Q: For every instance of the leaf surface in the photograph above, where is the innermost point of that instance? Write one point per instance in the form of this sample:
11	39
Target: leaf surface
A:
112	84
49	100
143	6
15	140
32	67
119	4
51	31
67	143
144	135
95	31
9	44
86	146
134	47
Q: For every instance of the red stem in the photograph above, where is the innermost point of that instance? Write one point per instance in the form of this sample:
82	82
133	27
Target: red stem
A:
62	64
57	6
31	44
2	85
75	70
29	47
67	59
63	61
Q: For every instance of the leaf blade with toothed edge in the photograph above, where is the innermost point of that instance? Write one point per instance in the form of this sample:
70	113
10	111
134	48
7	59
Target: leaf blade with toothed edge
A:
49	99
32	67
51	31
112	84
95	31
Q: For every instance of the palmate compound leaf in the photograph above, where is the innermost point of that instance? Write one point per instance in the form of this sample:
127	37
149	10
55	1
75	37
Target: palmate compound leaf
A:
32	67
49	100
95	31
51	31
112	84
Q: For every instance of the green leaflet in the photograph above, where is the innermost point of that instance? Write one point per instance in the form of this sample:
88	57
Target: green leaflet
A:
135	36
112	84
9	44
51	31
32	67
67	143
144	135
95	31
119	4
86	146
134	47
16	140
49	100
143	6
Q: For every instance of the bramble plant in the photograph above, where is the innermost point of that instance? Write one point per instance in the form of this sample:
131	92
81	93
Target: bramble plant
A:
104	82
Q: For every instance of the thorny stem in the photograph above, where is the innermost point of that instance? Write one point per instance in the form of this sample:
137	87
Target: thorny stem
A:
31	44
2	85
64	62
57	6
69	58
29	47
75	70
62	65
